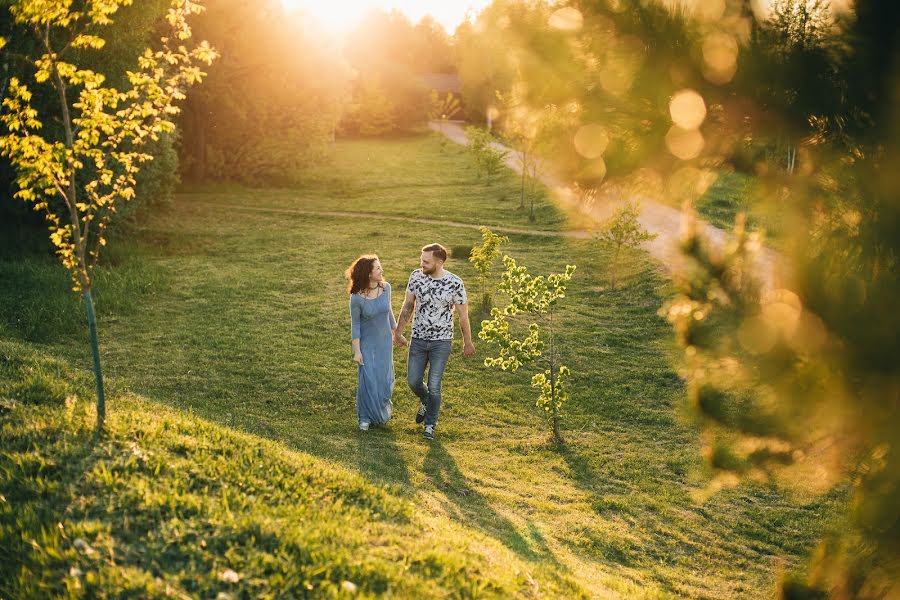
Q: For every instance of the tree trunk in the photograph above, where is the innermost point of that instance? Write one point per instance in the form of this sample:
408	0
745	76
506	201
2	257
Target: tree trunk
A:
79	238
95	350
556	436
615	266
533	194
524	172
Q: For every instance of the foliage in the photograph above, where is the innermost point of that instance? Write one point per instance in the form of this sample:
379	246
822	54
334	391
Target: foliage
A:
534	297
791	71
489	160
373	114
804	97
267	112
482	258
389	49
134	29
79	181
535	134
612	67
785	378
623	230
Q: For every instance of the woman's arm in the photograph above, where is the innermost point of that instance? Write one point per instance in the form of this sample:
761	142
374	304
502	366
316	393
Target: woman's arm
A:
355	315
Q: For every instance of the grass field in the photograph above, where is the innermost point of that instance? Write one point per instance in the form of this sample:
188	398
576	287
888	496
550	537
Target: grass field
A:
732	193
225	336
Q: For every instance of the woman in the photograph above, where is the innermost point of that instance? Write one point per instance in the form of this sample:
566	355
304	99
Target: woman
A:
371	325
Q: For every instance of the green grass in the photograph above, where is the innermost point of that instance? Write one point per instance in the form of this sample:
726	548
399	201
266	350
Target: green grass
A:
233	326
170	504
412	177
733	193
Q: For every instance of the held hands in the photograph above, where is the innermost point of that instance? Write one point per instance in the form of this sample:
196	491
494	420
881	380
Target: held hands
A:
468	349
399	340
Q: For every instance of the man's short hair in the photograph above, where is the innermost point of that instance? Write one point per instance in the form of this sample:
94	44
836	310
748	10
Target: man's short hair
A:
437	250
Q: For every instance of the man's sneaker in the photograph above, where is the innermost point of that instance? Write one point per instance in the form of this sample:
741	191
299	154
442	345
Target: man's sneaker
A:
420	415
363	426
429	432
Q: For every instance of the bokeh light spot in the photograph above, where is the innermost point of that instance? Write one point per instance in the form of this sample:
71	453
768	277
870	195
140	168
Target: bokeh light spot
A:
591	141
756	335
684	143
687	108
566	19
594	171
720	52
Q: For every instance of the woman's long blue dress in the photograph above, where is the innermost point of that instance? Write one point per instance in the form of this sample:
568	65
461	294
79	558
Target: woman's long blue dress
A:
372	321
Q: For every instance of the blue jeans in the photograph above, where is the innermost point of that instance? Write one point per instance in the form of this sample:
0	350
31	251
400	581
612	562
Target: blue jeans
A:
422	353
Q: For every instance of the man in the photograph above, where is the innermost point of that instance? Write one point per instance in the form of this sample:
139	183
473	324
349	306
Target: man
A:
434	293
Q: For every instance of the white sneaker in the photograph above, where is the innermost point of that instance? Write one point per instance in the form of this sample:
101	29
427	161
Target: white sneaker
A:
420	414
363	426
429	432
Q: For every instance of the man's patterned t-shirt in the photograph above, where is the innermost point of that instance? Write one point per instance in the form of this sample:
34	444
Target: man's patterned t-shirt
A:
435	299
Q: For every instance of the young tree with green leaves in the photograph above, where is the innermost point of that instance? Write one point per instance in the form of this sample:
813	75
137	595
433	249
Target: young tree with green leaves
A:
534	133
622	230
80	180
488	159
482	258
535	299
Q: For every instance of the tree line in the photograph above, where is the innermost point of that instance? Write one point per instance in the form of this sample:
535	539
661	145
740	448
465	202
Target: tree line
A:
266	111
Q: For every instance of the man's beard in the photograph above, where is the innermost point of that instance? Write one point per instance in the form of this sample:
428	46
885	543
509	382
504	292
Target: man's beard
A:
429	270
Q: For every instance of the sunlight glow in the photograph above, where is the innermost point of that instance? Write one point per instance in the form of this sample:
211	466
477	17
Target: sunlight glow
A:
342	16
566	19
688	109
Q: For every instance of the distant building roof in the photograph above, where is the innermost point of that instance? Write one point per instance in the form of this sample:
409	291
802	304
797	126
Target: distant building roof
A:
441	82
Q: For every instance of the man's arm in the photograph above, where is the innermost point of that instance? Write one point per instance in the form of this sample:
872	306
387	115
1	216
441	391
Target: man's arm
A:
406	313
463	311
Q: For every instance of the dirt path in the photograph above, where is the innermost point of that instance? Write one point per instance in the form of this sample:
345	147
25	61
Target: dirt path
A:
664	221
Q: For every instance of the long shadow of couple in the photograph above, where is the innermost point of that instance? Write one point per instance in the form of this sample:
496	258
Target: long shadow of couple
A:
467	506
464	504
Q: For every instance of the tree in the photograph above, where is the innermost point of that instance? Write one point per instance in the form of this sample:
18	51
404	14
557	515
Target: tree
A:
792	68
375	110
482	258
268	109
79	181
535	134
623	230
489	160
136	26
388	48
536	299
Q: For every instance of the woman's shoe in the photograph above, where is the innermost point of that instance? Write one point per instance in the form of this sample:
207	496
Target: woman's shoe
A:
363	426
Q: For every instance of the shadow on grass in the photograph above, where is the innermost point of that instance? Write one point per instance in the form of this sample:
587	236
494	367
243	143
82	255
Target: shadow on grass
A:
469	507
40	485
379	458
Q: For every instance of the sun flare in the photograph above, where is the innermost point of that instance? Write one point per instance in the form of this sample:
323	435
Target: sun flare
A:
342	16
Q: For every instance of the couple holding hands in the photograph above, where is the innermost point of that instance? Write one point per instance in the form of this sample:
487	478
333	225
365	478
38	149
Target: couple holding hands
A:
432	294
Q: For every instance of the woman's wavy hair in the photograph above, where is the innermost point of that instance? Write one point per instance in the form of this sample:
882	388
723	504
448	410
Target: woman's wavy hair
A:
358	273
